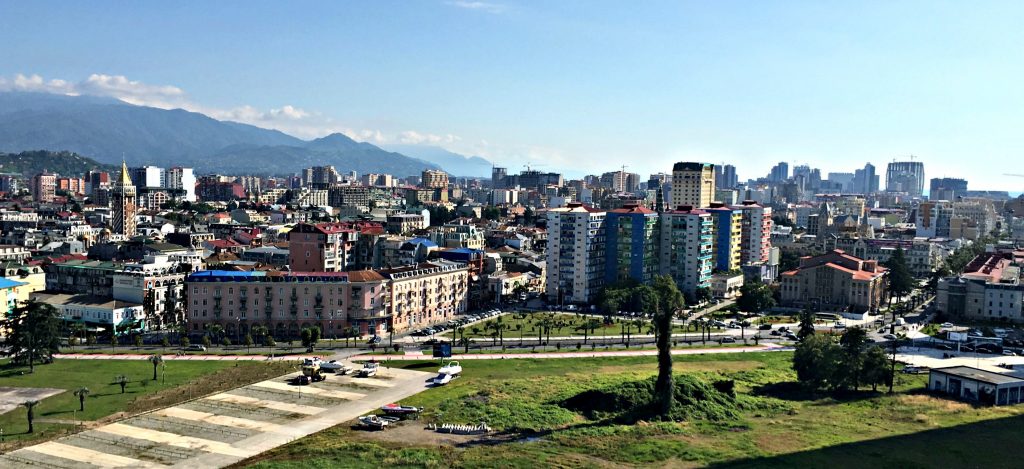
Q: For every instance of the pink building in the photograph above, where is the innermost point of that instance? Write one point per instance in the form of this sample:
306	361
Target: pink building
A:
287	302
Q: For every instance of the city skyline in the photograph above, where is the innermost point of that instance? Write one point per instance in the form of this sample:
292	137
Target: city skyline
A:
747	86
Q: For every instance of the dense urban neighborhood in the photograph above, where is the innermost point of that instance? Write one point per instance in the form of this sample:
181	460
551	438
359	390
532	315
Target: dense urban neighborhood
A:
508	234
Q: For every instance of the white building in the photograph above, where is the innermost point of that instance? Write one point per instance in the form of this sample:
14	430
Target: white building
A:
575	254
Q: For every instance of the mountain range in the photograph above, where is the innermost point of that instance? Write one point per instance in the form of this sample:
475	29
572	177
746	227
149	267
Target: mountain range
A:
108	130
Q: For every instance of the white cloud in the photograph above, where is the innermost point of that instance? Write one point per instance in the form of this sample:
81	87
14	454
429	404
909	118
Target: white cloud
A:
494	8
417	138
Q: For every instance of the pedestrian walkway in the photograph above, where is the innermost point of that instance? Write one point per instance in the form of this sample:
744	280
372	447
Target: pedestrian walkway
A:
593	354
223	428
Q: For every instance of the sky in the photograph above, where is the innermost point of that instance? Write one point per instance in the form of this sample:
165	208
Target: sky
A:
573	86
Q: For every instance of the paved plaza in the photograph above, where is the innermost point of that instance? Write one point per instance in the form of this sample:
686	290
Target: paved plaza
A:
224	428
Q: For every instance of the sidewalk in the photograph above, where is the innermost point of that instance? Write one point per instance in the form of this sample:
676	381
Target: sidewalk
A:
594	354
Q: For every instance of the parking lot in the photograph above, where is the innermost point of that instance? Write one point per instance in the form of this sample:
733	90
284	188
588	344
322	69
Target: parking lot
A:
223	428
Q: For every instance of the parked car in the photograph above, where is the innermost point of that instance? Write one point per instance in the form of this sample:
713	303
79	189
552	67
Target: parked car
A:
196	348
889	337
1009	353
765	327
375	340
792	336
728	340
946	325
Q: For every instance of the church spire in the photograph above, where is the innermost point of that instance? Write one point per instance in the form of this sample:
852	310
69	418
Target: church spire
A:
125	179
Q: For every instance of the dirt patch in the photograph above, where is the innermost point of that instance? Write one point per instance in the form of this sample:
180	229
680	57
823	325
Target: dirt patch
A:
922	400
413	432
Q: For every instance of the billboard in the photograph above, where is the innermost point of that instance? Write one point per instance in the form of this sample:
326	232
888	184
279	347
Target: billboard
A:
443	350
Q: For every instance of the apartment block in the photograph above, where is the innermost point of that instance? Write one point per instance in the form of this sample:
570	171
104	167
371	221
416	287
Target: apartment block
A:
632	244
575	254
322	247
693	184
687	238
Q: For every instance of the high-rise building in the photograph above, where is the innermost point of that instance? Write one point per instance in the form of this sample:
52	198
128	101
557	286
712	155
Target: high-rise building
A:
576	249
756	232
728	231
632	240
725	177
434	179
122	201
693	184
620	181
148	176
96	180
182	179
780	172
865	181
43	187
686	247
946	188
905	176
933	219
498	177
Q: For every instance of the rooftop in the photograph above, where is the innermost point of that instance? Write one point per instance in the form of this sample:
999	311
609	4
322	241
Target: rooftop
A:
977	374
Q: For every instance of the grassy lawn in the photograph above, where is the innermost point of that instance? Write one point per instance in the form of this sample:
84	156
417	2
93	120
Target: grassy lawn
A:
175	383
565	324
778	426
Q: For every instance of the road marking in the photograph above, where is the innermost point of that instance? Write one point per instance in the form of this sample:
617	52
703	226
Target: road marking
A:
61	450
173	439
283	406
215	419
277	385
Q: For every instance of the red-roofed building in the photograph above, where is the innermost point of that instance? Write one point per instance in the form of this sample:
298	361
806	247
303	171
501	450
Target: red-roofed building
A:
835	281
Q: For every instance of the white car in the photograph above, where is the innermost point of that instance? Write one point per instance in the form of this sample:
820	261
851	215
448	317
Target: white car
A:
946	325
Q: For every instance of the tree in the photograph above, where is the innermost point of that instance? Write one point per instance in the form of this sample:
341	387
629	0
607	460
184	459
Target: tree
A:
81	393
702	294
815	361
309	336
185	342
156	360
853	343
248	341
670	300
876	368
901	282
34	333
206	341
121	380
755	297
30	407
806	324
138	342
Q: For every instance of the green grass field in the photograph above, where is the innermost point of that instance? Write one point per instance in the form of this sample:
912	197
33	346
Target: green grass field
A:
780	425
529	325
176	382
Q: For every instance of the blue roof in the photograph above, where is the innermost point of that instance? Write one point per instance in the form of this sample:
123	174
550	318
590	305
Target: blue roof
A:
423	241
464	251
5	283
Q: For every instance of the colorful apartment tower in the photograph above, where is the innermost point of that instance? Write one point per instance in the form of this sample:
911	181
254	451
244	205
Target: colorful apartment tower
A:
632	241
686	247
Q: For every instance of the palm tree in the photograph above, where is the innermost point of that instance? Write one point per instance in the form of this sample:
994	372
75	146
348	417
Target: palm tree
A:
81	393
122	381
156	360
30	407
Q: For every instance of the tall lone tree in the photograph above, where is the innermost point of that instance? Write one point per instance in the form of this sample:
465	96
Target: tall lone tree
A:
81	393
156	360
669	301
34	333
30	406
901	282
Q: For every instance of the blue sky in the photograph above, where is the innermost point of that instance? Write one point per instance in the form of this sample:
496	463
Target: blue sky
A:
573	86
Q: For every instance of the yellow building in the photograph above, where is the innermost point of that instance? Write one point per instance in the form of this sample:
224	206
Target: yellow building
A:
728	232
693	184
31	277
